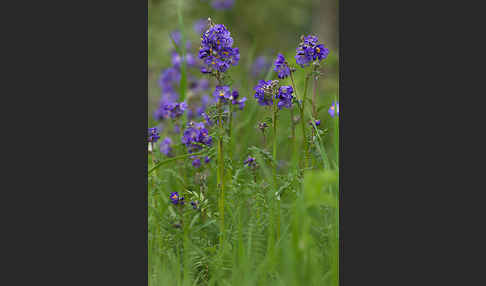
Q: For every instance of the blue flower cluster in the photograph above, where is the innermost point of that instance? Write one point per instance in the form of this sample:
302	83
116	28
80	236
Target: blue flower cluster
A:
153	134
265	91
281	67
196	136
217	49
224	94
285	96
309	50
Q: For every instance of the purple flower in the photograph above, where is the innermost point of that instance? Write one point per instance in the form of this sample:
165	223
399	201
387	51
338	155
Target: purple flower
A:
262	126
334	109
240	102
285	96
309	50
317	122
207	119
235	101
207	160
177	129
281	67
250	162
222	93
222	4
200	26
194	204
176	198
196	162
177	60
153	134
217	50
173	109
260	65
264	92
165	146
196	136
176	36
168	77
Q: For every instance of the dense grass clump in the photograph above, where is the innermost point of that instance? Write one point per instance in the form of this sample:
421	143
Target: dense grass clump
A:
243	174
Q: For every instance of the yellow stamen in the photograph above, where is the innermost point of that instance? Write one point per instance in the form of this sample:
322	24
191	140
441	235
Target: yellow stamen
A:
318	50
221	94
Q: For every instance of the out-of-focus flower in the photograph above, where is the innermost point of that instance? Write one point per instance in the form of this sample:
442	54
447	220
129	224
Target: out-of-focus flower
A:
250	162
222	4
207	119
262	126
166	146
176	36
200	26
153	134
173	109
194	204
169	77
236	101
177	60
260	66
334	109
196	162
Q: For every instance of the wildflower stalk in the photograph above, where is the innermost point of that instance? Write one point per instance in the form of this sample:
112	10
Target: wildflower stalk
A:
292	143
275	110
314	113
303	121
230	121
220	173
292	112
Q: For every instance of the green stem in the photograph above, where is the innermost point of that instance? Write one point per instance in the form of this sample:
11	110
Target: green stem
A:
230	122
275	110
220	172
173	159
303	122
